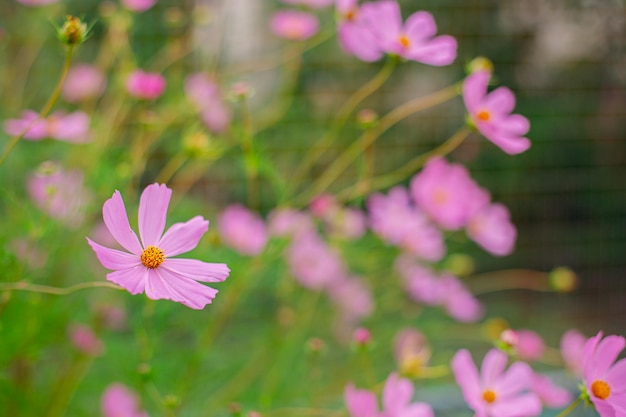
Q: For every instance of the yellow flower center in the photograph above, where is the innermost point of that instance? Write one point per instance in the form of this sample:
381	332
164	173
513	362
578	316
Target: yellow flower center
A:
489	396
411	365
152	257
483	116
351	14
404	41
600	389
440	196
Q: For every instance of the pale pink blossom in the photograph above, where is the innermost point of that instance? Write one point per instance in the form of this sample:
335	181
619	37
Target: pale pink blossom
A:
322	205
352	298
447	193
411	351
550	394
202	90
69	127
362	336
85	340
491	113
572	343
396	400
314	4
355	36
496	392
84	82
492	229
149	265
145	85
242	230
138	5
289	222
530	346
294	25
459	302
313	263
119	401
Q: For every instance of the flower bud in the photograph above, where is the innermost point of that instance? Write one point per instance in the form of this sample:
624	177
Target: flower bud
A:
367	119
563	279
362	336
479	63
459	264
73	32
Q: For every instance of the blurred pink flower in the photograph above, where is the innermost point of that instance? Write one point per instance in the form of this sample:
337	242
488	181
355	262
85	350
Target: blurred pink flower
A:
289	222
398	222
119	401
83	82
37	129
414	40
491	113
294	25
85	340
26	250
355	37
459	302
411	351
111	316
145	85
321	205
492	229
138	5
362	336
242	230
339	221
422	285
529	346
551	395
68	127
58	193
352	298
447	193
396	401
148	266
572	343
36	2
314	4
205	94
605	379
496	392
313	263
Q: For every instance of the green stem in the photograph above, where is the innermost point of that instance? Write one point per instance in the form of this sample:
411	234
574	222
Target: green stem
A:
571	407
250	162
45	289
46	108
68	385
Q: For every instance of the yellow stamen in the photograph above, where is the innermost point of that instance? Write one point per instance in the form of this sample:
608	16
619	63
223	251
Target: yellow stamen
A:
489	396
600	389
440	196
404	41
483	116
351	14
152	257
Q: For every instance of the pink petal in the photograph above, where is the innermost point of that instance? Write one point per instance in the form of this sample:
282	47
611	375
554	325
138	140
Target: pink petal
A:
114	259
116	220
417	410
603	408
606	353
510	144
515	125
420	25
439	51
492	367
133	279
360	403
197	270
527	405
153	212
500	101
384	19
515	379
162	284
183	237
466	376
475	89
588	355
359	41
397	394
616	377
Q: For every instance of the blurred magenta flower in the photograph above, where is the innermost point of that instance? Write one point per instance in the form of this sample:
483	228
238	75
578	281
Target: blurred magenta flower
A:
396	401
491	113
530	346
138	5
355	36
339	221
68	127
294	25
242	230
447	193
411	351
314	4
36	2
37	129
352	298
84	82
492	229
26	250
362	336
459	302
321	205
119	401
58	193
421	283
398	222
205	94
550	394
572	343
148	266
313	263
605	379
85	340
496	392
414	40
145	85
289	222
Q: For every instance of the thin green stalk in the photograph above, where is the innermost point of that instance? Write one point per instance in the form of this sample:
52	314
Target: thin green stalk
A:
571	407
69	382
45	289
46	108
512	279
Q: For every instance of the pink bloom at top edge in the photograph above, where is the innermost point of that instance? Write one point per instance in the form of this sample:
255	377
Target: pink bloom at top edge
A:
572	343
148	265
605	379
145	85
397	395
354	35
314	4
495	392
83	82
242	230
491	113
414	40
491	229
294	25
119	401
138	5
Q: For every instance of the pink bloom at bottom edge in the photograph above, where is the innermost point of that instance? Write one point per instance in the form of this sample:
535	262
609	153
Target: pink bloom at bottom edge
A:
119	401
148	266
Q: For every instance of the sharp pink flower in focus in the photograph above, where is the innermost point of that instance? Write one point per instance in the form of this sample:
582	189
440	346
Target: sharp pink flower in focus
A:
605	379
491	113
68	127
396	401
149	265
294	25
242	230
85	340
313	4
138	5
414	40
447	193
205	94
550	394
119	401
145	85
572	343
84	82
496	392
491	229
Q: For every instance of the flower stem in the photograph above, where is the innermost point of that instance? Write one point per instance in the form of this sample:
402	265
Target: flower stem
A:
512	279
46	108
45	289
571	407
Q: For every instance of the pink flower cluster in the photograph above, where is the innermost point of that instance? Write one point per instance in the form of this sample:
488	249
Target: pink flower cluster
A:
242	230
205	94
67	127
145	85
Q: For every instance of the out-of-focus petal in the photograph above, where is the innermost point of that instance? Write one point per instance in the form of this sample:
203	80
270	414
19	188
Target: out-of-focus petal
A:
527	405
438	51
116	220
492	367
183	237
466	376
153	213
515	379
420	25
475	88
360	403
397	394
500	101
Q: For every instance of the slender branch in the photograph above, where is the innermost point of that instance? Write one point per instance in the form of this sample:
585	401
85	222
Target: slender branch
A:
570	408
45	289
512	279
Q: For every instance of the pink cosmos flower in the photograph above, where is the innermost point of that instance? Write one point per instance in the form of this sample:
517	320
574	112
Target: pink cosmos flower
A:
145	85
397	395
414	40
495	392
294	25
119	401
85	340
352	298
605	379
529	346
492	229
314	4
491	113
205	94
411	351
355	36
83	82
138	5
289	222
551	395
242	230
339	221
459	302
148	266
37	128
313	263
572	343
447	193
68	127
